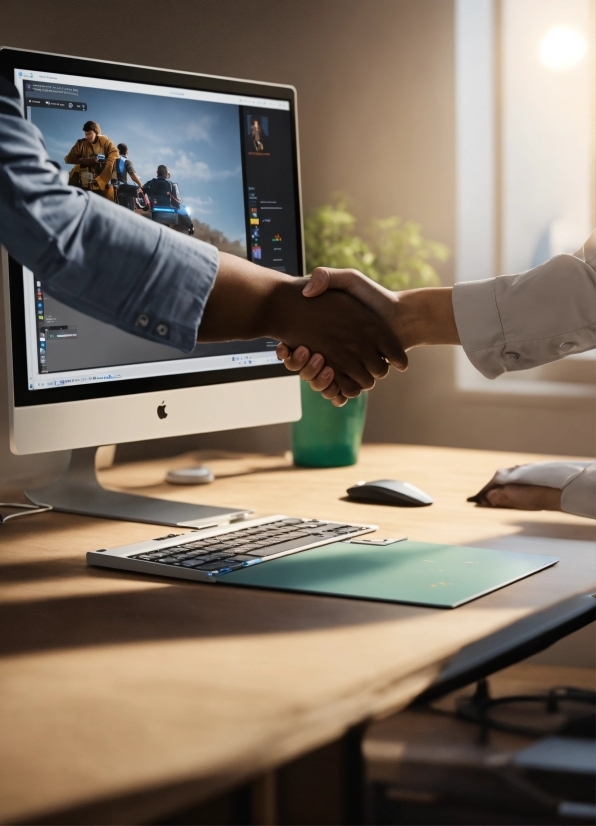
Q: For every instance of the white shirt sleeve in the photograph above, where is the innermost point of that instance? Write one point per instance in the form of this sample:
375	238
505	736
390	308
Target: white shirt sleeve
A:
576	480
514	322
579	495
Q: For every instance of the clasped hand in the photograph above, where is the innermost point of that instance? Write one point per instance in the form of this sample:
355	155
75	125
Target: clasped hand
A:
315	368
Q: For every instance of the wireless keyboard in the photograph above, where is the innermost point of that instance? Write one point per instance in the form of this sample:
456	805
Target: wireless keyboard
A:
207	554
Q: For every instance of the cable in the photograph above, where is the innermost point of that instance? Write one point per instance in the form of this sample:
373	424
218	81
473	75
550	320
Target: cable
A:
25	510
481	706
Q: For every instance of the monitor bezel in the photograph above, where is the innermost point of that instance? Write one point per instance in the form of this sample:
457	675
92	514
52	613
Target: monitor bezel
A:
11	59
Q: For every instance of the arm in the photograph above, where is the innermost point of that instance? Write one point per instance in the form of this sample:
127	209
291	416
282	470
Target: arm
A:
112	155
136	179
568	485
495	320
175	194
74	155
133	173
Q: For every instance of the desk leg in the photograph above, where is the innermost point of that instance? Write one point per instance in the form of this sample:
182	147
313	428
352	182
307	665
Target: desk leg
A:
263	800
326	786
353	777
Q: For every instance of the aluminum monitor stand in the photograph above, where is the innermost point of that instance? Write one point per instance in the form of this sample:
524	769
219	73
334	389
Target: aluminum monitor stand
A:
79	491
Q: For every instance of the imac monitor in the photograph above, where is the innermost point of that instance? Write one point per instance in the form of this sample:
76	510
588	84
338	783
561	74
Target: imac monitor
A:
231	148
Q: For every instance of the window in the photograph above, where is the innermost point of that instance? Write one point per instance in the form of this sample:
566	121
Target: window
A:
526	105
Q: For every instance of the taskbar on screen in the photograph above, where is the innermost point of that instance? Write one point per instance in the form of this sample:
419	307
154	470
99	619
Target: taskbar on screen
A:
126	372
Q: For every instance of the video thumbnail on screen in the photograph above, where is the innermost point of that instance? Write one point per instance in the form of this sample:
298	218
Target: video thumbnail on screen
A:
176	162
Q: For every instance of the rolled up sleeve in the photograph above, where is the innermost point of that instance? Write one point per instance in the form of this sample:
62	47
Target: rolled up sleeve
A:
93	255
514	322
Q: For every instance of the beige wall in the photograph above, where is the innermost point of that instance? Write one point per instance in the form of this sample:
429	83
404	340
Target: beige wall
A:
375	86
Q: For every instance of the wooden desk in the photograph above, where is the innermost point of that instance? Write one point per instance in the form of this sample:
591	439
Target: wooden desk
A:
130	696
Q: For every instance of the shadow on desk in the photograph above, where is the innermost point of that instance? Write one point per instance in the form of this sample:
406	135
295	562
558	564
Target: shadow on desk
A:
176	612
584	530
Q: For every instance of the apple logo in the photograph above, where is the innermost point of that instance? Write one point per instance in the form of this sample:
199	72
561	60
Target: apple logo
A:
161	411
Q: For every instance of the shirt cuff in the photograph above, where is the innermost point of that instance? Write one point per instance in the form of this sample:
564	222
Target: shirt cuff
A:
575	480
546	474
579	495
479	325
170	307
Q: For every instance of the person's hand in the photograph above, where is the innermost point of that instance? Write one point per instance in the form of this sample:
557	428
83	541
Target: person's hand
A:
416	317
357	345
495	494
314	370
244	305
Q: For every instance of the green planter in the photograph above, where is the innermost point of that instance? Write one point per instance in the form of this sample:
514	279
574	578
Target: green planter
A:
328	436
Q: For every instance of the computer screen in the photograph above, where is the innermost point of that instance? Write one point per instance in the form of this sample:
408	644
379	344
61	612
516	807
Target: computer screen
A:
220	166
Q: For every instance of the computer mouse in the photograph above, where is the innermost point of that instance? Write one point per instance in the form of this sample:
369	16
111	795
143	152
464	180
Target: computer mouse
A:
390	492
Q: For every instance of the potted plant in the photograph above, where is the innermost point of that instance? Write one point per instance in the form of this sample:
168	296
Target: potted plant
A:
395	254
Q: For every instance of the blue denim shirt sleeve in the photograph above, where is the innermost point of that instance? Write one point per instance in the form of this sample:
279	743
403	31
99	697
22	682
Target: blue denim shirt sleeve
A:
93	255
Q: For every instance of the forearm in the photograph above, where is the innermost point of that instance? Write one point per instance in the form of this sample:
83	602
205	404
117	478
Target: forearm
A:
425	316
245	303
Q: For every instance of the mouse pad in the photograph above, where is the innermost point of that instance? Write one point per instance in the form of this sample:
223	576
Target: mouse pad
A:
418	573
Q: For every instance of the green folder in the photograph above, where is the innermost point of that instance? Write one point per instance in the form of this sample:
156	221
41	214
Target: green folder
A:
417	573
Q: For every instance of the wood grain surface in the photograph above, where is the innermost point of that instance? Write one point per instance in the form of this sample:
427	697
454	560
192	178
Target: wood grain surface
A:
125	697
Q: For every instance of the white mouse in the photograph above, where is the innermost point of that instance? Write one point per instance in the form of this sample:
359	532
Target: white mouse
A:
390	492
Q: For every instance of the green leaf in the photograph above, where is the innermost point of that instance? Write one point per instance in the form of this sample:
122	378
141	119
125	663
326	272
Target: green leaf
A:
394	252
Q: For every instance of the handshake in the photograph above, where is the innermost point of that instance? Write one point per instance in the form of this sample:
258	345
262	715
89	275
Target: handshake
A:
348	338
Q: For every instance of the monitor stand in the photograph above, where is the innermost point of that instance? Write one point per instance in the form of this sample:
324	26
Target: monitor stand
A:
78	491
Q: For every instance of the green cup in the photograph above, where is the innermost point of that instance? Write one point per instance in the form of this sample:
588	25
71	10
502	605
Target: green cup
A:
328	436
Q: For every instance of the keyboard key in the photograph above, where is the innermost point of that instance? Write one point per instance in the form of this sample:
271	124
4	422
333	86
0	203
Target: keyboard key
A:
230	566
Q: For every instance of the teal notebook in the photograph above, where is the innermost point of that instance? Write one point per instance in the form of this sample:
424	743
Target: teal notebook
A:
418	573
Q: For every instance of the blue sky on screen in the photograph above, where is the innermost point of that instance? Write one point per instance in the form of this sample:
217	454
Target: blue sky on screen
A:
198	141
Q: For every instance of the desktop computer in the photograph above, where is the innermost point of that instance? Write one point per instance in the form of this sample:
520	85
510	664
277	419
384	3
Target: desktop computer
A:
70	382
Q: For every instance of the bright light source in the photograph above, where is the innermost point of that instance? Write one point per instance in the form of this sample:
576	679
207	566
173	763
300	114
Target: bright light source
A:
562	48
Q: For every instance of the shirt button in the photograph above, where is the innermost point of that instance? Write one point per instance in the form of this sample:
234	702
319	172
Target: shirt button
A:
142	320
162	329
513	356
567	346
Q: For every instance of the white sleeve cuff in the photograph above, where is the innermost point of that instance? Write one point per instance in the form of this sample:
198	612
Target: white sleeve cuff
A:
479	325
576	480
515	322
579	495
